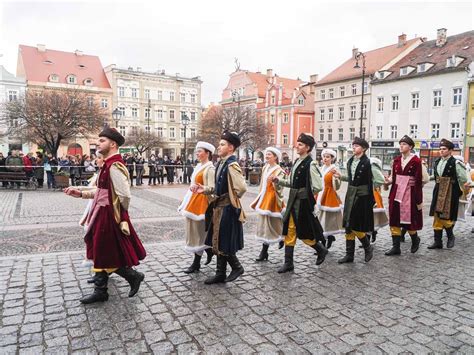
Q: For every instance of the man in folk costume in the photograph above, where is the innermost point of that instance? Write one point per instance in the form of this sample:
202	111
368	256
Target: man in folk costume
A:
299	221
358	217
380	214
225	215
450	178
269	204
111	241
194	206
329	203
406	196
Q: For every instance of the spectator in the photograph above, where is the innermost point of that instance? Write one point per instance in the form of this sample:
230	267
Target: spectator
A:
48	168
39	169
179	170
160	174
89	165
28	165
188	172
130	160
74	172
152	170
169	170
3	168
139	166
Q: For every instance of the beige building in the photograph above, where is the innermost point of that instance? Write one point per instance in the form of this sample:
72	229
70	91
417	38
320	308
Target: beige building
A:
157	102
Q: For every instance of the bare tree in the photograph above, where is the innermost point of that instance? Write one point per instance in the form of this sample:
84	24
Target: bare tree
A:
143	141
50	116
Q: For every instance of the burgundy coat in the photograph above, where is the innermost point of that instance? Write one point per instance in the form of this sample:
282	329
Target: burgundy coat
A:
414	169
106	245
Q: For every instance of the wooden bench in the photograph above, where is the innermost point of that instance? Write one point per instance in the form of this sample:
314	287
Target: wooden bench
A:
18	177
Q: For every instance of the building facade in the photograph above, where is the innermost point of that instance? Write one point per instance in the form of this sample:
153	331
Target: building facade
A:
425	96
158	103
11	88
469	140
342	105
44	69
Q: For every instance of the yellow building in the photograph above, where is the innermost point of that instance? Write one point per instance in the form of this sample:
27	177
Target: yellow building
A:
469	143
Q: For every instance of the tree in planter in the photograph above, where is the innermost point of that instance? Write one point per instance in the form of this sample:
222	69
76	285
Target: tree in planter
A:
143	141
50	116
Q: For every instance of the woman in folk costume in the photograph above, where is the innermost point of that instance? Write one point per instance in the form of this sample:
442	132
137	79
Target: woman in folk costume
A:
465	199
194	207
380	214
269	204
329	203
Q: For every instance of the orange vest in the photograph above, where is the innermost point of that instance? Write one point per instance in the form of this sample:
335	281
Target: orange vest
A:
198	203
378	198
329	197
267	202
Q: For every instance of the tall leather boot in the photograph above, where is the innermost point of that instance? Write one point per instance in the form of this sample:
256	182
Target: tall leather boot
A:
288	264
221	267
322	251
350	251
209	254
369	249
395	246
438	243
100	293
195	266
331	239
91	279
415	243
237	268
449	232
402	235
263	253
374	236
133	277
281	244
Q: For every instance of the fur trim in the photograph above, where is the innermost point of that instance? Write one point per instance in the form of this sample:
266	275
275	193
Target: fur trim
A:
330	209
268	241
195	250
192	216
328	233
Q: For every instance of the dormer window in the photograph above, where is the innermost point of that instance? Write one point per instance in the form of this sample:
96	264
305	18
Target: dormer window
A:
383	74
421	68
453	61
301	100
54	78
88	82
71	79
406	70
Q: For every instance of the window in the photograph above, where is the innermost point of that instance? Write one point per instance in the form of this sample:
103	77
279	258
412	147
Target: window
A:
455	130
273	99
330	134
90	101
171	95
159	114
147	94
322	94
182	97
363	132
435	130
147	113
342	91
353	111
301	100
171	115
159	131
340	134
352	133
71	79
12	95
393	132
379	131
134	130
122	130
404	71
330	114
354	89
121	91
54	78
415	100
172	132
147	129
394	102
193	132
321	114
272	139
285	139
414	131
134	112
134	93
364	110
122	111
380	101
321	134
341	112
436	98
193	98
193	116
421	68
366	87
159	95
182	132
183	114
457	96
104	103
331	93
286	117
272	118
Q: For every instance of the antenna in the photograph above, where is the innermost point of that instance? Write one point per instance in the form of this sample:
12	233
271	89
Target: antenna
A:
237	64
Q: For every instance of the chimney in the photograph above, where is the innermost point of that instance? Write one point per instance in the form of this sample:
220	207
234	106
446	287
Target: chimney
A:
139	68
441	37
354	52
402	40
269	72
313	78
163	72
41	48
78	52
130	68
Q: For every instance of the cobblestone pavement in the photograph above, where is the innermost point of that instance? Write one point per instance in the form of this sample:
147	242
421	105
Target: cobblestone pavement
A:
414	303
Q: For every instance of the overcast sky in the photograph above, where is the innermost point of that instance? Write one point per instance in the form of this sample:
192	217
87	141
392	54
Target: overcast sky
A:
294	38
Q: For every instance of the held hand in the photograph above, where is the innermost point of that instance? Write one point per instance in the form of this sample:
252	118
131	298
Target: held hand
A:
335	173
273	179
198	189
72	191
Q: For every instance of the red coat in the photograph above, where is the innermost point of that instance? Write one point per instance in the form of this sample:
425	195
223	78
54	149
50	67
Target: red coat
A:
414	169
106	245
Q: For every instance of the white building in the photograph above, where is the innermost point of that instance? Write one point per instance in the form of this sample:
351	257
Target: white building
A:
11	88
424	95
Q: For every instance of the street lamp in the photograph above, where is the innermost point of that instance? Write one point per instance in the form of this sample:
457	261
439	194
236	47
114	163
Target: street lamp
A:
433	137
361	56
185	121
116	115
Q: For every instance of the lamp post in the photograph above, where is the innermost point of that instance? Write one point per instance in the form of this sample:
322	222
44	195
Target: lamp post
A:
433	137
116	115
185	121
236	97
149	114
361	56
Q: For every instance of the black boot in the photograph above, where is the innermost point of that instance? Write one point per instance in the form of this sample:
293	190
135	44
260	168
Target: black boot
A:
366	236
92	279
263	253
219	277
395	246
449	232
281	244
374	236
350	250
237	269
369	250
322	252
331	239
195	266
133	277
415	243
288	265
100	293
438	243
210	254
402	235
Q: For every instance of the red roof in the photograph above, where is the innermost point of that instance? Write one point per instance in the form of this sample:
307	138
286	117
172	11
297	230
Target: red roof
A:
374	60
263	80
37	66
